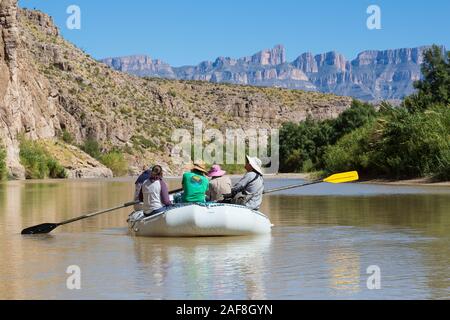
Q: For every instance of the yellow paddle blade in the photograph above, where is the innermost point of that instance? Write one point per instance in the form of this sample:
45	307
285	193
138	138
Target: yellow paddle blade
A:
343	177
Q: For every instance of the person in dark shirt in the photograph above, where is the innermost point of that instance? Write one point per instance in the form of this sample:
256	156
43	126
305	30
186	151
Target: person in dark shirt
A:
138	196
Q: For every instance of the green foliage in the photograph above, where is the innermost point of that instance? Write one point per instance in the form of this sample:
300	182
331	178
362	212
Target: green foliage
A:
67	137
3	168
38	163
114	159
396	142
357	116
400	144
172	93
413	144
434	88
92	148
143	142
116	162
233	168
351	152
442	171
303	145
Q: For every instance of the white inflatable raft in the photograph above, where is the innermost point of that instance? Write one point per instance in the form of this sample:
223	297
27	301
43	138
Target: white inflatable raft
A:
200	220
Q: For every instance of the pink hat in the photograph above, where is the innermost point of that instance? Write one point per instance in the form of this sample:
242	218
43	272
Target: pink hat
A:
216	171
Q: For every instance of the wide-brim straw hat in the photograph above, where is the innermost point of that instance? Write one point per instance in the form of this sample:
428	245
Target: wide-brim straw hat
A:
200	166
256	164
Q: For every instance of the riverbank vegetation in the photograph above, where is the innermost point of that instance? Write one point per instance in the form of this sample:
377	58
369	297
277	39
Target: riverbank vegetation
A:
409	141
113	159
38	163
3	167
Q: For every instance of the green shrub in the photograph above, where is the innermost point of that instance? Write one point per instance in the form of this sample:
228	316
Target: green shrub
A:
67	137
92	148
351	152
303	145
400	144
143	142
38	163
412	144
3	167
116	162
114	159
233	168
308	166
442	171
353	118
172	93
293	162
409	141
55	170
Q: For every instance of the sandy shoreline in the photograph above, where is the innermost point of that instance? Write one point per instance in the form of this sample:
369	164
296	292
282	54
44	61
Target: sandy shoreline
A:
406	182
411	182
307	176
284	176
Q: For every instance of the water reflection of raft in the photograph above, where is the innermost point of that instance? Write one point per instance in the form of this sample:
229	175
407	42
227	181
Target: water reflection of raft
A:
200	220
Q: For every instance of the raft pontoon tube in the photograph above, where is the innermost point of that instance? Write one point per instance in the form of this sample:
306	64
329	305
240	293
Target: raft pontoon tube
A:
200	220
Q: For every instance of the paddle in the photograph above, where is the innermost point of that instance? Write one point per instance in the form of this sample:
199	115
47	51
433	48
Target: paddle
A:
336	178
49	227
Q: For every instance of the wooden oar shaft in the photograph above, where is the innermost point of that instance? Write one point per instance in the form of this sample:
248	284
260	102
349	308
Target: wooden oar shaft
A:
292	187
336	178
90	215
49	227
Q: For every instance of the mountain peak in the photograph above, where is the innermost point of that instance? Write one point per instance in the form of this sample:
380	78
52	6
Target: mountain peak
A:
268	57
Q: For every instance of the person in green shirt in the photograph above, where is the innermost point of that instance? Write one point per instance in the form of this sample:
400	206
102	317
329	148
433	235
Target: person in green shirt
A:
195	184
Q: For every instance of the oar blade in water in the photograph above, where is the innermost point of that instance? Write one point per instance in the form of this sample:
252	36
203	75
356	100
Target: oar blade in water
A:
40	229
343	177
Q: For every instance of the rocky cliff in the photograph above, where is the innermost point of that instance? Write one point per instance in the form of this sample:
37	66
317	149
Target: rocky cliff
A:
29	104
372	76
49	87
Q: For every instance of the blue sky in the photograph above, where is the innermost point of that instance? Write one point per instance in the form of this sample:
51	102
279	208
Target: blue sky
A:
183	32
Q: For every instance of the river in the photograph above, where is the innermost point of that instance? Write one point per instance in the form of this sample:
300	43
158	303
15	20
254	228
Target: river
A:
325	240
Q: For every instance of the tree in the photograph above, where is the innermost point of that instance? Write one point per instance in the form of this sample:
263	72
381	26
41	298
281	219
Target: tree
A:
303	145
434	88
356	117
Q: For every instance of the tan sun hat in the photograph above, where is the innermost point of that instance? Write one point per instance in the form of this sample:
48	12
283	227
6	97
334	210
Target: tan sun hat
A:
200	166
256	164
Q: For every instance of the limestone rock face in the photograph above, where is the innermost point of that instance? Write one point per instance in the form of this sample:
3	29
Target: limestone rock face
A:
141	65
307	63
272	57
28	103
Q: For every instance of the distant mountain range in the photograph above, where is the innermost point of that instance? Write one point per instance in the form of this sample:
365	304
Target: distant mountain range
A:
372	76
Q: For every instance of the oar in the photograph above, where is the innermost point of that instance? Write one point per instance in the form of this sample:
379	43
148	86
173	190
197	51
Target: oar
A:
49	227
336	178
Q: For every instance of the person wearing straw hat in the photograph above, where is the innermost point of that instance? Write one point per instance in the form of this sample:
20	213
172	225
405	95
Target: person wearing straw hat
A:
219	185
195	184
249	191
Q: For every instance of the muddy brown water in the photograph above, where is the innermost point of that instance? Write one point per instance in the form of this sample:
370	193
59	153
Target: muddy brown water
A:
325	239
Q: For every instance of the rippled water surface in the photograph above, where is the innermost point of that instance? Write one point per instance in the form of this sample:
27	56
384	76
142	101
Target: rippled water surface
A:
324	240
